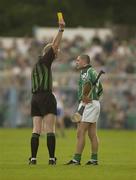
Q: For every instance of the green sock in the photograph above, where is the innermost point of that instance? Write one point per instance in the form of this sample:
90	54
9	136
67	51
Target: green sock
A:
94	156
77	157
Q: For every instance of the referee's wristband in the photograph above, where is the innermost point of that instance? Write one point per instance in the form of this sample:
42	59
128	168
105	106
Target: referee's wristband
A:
61	30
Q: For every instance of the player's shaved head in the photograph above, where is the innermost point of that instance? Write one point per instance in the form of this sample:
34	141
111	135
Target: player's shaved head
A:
82	61
85	58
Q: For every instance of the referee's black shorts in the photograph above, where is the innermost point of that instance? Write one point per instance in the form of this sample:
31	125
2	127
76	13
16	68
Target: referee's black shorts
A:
43	103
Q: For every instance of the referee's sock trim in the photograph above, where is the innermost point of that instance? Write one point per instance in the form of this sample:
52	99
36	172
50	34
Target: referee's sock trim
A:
36	135
51	134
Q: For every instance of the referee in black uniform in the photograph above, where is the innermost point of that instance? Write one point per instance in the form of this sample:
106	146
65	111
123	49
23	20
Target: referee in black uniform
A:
43	104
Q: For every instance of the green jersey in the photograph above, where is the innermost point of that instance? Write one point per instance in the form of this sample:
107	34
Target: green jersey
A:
89	74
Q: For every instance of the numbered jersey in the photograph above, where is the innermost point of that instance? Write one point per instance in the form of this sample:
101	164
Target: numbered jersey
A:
89	74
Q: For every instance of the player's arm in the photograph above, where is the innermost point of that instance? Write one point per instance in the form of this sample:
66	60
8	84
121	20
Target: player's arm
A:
86	90
58	37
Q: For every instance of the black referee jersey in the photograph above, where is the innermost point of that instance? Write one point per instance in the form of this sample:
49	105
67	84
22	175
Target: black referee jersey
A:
41	73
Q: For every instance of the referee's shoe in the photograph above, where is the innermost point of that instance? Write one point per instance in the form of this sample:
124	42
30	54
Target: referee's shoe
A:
52	161
32	161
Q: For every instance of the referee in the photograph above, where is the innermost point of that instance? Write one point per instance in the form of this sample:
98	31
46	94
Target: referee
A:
43	103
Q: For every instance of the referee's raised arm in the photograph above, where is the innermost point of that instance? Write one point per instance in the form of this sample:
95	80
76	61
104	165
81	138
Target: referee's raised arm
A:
57	39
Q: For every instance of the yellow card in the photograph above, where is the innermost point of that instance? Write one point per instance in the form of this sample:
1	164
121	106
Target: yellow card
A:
60	16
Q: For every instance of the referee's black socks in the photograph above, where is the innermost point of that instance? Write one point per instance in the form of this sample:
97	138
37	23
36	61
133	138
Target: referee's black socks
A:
51	142
34	144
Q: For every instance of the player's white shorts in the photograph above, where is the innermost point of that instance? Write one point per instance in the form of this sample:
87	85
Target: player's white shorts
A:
91	112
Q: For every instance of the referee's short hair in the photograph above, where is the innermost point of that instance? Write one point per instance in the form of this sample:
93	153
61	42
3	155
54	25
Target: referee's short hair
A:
85	57
46	48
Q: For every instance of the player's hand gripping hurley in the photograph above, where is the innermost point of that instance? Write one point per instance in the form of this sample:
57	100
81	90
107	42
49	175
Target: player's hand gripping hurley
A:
78	115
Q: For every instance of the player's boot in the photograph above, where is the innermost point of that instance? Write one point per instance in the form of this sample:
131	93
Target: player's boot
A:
52	161
73	162
32	161
92	162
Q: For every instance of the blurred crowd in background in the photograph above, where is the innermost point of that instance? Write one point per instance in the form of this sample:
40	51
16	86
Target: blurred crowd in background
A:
116	57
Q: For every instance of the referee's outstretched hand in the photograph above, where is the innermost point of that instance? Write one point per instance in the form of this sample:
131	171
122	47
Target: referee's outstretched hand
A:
62	24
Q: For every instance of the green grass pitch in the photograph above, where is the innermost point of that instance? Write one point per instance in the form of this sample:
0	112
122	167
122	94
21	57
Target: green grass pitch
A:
117	157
